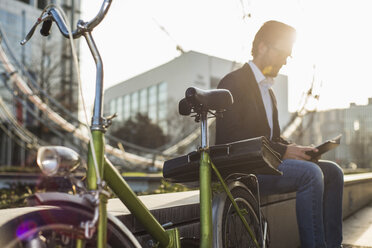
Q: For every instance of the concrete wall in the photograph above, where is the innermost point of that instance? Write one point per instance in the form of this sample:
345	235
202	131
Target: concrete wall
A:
279	211
357	193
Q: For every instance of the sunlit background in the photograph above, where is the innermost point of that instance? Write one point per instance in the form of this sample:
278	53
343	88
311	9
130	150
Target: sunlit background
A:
152	51
333	45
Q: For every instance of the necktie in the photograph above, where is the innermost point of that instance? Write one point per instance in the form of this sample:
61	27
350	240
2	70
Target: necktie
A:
265	85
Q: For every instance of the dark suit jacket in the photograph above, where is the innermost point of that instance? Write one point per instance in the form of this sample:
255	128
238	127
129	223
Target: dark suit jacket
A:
246	118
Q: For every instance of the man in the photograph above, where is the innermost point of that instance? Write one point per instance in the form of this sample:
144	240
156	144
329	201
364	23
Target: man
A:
319	185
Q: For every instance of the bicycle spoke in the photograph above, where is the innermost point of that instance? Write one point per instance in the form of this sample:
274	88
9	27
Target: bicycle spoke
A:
234	229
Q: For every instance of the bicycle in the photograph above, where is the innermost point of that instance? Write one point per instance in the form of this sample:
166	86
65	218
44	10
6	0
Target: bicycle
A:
45	224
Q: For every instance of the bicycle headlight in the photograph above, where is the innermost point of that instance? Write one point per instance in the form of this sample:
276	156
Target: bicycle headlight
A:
54	160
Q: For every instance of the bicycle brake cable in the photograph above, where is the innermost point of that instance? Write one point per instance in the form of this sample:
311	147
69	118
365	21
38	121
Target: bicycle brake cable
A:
76	63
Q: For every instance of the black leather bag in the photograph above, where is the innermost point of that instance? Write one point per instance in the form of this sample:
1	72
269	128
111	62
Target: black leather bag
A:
250	156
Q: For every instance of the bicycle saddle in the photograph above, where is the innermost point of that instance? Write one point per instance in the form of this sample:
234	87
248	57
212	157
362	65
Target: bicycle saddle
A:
204	100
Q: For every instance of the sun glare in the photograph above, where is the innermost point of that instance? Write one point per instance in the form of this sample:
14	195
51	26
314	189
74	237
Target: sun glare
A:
333	46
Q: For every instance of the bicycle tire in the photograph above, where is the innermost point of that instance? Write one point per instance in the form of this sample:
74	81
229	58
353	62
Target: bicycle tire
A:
229	230
57	227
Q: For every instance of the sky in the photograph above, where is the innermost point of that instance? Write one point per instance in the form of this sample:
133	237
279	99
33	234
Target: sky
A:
333	47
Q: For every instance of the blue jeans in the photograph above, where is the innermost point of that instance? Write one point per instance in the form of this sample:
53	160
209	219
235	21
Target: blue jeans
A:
319	188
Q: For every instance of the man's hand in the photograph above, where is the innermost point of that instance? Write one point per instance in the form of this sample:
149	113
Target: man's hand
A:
298	152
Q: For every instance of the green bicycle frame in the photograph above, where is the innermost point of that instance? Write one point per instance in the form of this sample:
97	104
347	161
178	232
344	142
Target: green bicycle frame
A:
98	143
206	201
169	238
165	238
236	207
206	233
108	173
206	236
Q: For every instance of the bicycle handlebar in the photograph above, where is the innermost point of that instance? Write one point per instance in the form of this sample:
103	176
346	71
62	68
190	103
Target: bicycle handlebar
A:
51	13
99	17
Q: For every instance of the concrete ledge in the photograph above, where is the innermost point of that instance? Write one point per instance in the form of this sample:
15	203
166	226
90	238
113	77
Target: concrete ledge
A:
182	209
357	193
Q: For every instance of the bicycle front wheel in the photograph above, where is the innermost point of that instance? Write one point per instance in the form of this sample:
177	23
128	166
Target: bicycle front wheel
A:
57	227
229	230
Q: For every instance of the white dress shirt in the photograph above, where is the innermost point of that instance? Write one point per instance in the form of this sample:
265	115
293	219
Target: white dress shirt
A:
264	83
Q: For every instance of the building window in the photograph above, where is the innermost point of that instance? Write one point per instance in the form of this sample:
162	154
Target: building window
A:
143	101
25	1
119	108
153	103
162	89
134	104
11	18
356	125
126	112
41	4
162	104
113	106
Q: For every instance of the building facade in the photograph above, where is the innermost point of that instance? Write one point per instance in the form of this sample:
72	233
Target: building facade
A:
156	93
44	62
355	125
47	59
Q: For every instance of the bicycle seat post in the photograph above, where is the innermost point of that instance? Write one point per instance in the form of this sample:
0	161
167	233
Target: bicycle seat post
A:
201	102
204	130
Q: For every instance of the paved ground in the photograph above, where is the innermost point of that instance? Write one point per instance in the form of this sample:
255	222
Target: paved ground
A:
358	229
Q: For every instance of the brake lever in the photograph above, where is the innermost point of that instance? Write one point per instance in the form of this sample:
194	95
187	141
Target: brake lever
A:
44	17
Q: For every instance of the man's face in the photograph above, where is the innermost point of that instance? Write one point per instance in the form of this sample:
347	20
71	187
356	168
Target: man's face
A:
275	57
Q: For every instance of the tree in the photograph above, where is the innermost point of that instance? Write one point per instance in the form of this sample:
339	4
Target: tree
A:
141	131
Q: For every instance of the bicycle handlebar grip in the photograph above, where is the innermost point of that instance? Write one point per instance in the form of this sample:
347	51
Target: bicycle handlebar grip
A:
184	108
45	29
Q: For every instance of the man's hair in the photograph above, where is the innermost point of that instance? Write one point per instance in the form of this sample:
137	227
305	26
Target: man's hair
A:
270	32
